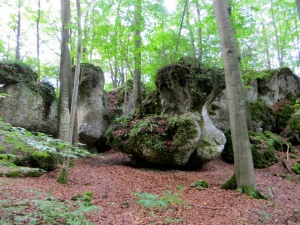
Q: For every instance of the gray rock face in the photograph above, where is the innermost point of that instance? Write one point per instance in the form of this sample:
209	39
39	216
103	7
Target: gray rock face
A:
276	85
91	112
183	92
30	105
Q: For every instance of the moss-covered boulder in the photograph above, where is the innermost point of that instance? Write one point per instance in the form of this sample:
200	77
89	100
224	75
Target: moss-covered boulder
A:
44	161
262	147
16	172
157	139
294	123
263	117
173	126
30	105
11	72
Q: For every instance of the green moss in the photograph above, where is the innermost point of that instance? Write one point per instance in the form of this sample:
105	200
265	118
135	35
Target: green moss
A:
250	191
284	114
231	184
200	184
296	168
85	197
260	112
63	177
14	174
45	161
163	134
263	151
295	122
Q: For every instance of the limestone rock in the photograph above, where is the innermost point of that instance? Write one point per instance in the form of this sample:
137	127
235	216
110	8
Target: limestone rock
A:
172	126
30	105
16	73
91	112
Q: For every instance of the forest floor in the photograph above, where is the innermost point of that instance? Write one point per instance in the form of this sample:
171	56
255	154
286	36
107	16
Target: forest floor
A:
114	182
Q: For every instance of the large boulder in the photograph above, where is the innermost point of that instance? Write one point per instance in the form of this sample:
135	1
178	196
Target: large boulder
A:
30	104
173	126
91	112
265	89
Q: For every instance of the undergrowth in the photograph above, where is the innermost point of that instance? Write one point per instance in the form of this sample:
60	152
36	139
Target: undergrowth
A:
44	209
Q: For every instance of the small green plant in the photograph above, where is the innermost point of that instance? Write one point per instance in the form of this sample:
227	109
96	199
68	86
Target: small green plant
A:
44	209
155	201
180	187
85	197
172	221
200	184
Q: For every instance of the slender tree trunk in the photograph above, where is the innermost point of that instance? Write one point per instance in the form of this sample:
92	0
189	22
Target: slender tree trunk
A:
191	32
180	28
199	32
278	48
243	163
137	85
18	55
77	75
266	44
65	71
298	7
38	39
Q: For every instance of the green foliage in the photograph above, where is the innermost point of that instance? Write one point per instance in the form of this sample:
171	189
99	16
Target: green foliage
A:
37	145
260	112
154	201
296	168
86	197
44	209
262	147
200	184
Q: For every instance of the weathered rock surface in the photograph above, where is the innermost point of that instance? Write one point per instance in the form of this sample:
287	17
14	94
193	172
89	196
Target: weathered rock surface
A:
184	92
30	104
271	87
91	112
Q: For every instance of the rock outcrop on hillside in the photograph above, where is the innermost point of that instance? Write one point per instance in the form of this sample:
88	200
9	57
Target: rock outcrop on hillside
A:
30	104
91	112
264	92
173	126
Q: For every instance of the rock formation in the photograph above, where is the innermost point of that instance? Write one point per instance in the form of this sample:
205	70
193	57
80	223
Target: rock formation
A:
30	104
173	125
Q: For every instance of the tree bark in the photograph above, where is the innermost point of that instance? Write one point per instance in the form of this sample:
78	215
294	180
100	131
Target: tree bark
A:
298	7
18	55
65	71
73	116
243	162
38	40
137	85
199	32
191	32
180	28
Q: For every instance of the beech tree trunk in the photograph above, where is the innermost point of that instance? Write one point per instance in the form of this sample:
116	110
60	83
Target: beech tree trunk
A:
38	39
298	7
18	55
137	85
243	162
65	71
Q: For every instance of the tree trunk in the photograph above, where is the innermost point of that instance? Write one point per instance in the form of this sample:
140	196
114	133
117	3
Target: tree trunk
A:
298	7
137	86
38	40
199	32
18	55
191	32
243	163
180	28
266	44
65	71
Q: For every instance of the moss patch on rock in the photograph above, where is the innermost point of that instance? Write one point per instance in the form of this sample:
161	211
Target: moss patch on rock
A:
262	147
163	134
261	113
45	161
